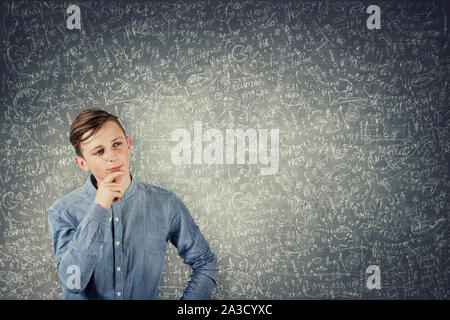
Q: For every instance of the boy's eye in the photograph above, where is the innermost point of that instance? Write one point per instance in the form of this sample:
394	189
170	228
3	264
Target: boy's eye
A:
100	152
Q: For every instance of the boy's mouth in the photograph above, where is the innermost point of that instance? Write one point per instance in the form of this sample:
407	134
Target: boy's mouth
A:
115	169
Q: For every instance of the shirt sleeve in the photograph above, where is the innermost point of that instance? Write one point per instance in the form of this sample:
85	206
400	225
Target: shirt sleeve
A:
78	249
194	250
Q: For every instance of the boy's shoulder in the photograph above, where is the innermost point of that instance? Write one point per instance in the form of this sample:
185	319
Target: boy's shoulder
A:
154	190
159	194
68	200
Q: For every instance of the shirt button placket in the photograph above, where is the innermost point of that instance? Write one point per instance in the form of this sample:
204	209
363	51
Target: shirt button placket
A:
118	253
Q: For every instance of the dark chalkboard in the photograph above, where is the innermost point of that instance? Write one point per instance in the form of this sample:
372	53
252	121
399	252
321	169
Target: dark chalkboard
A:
352	119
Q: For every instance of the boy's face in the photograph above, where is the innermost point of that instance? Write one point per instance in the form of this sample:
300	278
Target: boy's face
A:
105	150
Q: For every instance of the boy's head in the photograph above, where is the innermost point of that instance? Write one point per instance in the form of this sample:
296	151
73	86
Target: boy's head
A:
100	143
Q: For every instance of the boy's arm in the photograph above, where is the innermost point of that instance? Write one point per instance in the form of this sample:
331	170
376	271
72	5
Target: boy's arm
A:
195	251
77	250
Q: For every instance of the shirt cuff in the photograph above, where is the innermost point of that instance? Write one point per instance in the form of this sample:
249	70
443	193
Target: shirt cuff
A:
99	214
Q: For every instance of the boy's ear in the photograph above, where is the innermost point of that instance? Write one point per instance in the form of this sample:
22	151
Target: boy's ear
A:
81	163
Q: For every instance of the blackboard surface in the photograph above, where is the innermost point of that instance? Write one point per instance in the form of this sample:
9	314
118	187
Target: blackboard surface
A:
360	169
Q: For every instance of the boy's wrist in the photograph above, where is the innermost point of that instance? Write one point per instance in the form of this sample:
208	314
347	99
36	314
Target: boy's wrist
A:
104	206
99	214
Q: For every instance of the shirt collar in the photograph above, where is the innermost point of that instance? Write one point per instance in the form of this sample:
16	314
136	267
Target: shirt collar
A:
89	187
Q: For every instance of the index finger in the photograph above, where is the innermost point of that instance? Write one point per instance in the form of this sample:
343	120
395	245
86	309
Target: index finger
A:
112	176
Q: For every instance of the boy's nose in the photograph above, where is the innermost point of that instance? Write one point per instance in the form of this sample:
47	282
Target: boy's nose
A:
110	156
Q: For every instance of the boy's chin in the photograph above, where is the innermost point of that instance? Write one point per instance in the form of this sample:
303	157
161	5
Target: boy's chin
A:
100	176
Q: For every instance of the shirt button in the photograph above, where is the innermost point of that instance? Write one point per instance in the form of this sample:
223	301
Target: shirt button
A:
119	293
117	219
110	219
118	269
117	243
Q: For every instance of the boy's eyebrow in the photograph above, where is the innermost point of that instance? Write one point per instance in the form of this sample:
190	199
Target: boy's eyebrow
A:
102	146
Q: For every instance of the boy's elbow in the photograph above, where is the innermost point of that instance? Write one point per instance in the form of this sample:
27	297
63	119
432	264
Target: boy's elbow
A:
209	266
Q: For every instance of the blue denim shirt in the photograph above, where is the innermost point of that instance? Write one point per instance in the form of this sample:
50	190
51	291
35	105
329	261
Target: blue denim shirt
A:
120	253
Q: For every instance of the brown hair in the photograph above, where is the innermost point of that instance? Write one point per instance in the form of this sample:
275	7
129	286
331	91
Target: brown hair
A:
90	119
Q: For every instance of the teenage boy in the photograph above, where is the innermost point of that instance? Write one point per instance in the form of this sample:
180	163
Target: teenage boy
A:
110	235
